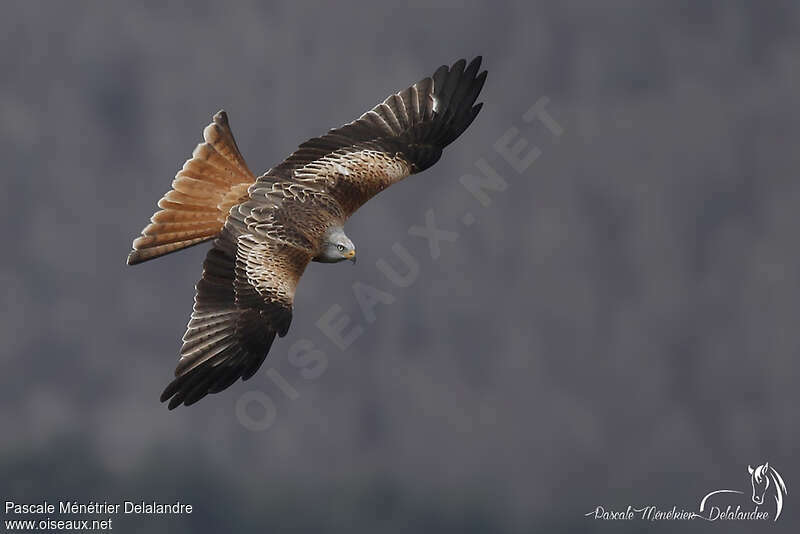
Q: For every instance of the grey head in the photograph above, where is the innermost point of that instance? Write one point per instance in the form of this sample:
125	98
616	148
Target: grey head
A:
336	247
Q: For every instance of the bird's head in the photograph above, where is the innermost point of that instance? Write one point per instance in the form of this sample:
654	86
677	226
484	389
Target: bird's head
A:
336	247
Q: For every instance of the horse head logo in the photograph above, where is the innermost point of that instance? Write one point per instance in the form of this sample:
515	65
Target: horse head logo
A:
764	478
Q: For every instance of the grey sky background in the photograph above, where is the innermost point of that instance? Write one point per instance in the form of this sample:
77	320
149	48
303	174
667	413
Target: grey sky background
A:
618	327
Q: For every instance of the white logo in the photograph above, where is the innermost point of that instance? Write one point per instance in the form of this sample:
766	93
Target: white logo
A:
765	482
763	479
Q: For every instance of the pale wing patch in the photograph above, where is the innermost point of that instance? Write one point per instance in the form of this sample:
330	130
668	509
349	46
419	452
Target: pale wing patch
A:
355	175
271	268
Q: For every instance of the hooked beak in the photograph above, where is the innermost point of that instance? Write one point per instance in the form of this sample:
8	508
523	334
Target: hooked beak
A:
351	255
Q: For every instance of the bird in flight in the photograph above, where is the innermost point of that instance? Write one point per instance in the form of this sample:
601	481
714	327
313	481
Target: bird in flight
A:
266	230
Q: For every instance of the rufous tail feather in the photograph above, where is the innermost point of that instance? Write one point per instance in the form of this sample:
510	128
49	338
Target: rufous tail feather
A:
212	181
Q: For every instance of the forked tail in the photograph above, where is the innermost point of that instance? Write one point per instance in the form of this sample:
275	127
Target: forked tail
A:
215	179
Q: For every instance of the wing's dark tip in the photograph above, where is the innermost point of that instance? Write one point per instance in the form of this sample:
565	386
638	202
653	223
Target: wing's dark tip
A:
455	90
174	403
186	389
170	390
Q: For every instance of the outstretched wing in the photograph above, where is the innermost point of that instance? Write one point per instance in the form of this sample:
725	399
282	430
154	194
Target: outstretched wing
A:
403	135
243	301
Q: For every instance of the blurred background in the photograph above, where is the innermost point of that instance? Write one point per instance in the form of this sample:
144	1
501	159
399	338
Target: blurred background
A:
618	327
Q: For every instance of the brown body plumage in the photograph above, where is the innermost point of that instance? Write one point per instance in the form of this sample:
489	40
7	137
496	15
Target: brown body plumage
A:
269	228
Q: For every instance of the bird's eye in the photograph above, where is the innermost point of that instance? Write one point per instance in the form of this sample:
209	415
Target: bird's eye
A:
340	247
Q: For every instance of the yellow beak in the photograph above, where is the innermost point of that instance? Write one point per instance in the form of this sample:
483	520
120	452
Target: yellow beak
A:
350	255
